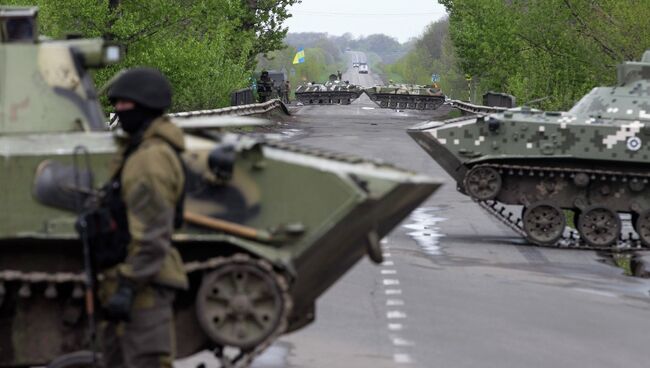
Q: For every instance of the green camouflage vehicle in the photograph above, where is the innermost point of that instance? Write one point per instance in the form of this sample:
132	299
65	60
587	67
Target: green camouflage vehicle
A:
592	160
333	92
406	96
267	230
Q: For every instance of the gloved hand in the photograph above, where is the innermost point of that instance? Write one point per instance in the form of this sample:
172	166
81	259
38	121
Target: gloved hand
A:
119	304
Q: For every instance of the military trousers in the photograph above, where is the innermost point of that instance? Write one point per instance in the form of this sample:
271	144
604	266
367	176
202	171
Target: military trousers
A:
147	340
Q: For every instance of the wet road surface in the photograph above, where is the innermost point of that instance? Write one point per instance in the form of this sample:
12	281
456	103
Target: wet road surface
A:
458	289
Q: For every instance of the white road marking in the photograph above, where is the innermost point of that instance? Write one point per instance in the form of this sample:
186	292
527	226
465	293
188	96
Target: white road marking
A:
394	302
402	358
387	255
395	326
388	272
395	314
390	282
398	341
388	263
393	292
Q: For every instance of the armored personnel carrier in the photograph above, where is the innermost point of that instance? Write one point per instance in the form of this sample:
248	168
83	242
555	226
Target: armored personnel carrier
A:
268	226
406	96
591	161
333	92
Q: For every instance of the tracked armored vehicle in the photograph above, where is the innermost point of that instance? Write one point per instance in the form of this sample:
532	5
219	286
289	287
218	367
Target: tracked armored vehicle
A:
268	228
333	92
406	96
592	161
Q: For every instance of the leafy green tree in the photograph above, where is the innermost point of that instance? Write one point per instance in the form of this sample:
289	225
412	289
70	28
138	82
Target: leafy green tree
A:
265	18
205	47
431	53
557	48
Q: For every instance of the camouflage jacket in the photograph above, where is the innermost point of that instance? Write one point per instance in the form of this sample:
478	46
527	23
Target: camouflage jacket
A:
152	182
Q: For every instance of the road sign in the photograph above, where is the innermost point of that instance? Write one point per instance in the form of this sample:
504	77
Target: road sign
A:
435	78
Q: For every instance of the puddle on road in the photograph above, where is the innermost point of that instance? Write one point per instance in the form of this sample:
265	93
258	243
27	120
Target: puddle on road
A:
423	225
276	356
283	134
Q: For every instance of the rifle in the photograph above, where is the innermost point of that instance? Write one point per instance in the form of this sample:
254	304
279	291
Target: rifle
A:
89	271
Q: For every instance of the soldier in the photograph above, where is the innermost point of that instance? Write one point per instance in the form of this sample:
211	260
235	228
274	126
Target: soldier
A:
264	87
287	91
138	292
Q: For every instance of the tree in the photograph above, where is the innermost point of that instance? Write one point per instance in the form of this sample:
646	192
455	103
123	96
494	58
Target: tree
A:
198	44
265	18
554	48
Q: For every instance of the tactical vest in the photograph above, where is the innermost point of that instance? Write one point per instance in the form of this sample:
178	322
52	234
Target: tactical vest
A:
108	225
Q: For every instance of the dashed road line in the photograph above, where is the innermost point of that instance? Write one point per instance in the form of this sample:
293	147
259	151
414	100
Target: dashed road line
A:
394	302
395	326
395	314
393	291
391	282
398	341
402	358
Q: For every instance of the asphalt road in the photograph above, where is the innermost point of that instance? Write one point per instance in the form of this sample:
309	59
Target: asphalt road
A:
458	289
352	74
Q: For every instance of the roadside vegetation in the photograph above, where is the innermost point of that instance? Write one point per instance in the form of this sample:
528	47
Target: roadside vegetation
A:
558	49
207	48
431	53
325	54
322	58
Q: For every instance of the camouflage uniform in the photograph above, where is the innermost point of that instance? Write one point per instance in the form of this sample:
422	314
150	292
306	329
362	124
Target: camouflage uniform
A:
152	182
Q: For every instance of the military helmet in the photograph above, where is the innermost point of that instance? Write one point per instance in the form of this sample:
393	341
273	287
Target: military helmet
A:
145	86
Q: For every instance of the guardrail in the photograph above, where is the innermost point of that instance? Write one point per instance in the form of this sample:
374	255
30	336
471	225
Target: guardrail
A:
241	110
242	97
475	109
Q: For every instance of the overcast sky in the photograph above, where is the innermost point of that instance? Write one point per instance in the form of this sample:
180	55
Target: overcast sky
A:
401	19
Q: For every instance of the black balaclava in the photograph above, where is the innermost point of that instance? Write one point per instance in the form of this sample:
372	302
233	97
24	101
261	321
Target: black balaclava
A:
136	120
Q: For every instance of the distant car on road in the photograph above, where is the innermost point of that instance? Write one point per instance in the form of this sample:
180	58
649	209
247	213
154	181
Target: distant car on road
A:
355	64
363	69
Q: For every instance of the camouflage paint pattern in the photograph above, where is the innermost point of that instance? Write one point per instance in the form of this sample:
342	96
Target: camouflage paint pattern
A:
331	92
406	96
595	154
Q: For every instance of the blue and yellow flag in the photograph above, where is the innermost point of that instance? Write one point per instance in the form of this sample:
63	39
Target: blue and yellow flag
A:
300	56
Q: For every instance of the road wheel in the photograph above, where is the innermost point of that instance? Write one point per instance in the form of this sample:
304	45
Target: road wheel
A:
599	226
77	359
241	302
483	183
642	227
544	223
